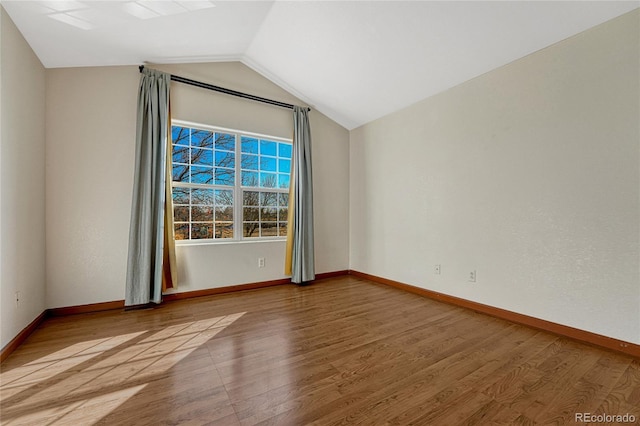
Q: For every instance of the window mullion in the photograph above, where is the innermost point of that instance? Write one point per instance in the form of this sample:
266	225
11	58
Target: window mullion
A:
237	205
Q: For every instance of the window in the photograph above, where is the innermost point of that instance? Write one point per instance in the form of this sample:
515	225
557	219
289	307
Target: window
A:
229	185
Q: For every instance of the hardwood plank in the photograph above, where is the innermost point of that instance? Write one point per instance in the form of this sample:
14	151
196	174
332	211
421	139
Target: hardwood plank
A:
563	330
341	351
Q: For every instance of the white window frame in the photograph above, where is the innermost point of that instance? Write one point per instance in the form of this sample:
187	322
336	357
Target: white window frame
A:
237	188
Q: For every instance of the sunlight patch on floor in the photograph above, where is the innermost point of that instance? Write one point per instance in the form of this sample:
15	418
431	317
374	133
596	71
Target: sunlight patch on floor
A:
65	359
88	380
79	412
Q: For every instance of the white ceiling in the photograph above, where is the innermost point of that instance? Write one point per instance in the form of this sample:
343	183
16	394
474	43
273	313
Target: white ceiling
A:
354	61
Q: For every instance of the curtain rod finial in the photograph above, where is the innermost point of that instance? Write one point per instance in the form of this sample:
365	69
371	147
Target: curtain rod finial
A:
141	67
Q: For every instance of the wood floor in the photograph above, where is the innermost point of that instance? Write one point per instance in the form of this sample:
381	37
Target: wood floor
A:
341	351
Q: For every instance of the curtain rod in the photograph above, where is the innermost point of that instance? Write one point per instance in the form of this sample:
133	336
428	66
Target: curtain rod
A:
226	91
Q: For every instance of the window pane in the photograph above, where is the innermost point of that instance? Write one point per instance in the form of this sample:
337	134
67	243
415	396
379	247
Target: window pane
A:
224	214
283	180
224	197
269	214
181	231
201	230
201	174
180	154
251	229
250	198
181	213
268	229
225	177
250	214
249	145
202	196
180	173
180	135
268	180
284	166
201	156
269	199
201	214
225	159
268	164
268	148
201	138
224	230
282	229
284	150
225	141
180	195
249	162
249	178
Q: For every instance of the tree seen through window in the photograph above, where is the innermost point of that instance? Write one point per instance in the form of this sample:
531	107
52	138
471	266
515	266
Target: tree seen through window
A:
207	179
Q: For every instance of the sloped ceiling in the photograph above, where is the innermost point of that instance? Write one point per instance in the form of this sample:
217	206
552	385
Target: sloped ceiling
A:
354	61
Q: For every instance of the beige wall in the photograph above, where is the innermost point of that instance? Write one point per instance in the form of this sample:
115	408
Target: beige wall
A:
90	161
22	193
528	174
90	118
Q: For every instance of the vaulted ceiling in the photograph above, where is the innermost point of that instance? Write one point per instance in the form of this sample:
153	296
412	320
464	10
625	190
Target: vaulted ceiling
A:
354	61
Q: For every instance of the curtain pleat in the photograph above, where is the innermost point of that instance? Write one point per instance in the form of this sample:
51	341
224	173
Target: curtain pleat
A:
147	229
300	257
169	269
288	258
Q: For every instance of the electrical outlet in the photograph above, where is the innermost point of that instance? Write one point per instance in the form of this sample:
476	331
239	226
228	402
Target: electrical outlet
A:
472	276
261	262
437	270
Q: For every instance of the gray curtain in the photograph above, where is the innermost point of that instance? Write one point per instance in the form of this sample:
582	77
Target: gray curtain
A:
146	232
302	253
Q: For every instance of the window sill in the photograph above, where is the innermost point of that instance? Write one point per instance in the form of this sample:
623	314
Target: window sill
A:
180	243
